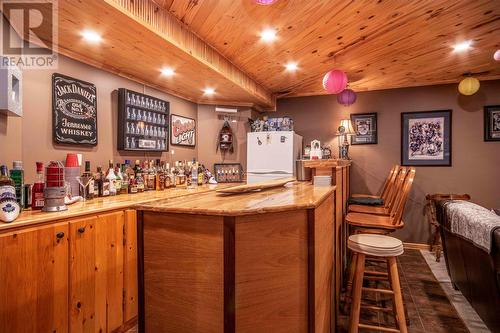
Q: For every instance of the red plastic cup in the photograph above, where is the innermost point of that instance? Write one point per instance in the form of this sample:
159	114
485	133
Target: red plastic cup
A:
71	160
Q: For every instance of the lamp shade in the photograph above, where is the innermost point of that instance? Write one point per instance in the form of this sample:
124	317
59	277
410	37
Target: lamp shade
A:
346	125
346	97
496	55
468	86
335	81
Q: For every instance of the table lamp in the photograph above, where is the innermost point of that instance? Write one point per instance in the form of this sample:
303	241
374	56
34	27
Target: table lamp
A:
344	129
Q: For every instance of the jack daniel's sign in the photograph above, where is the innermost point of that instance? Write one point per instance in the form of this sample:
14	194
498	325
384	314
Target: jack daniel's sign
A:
74	105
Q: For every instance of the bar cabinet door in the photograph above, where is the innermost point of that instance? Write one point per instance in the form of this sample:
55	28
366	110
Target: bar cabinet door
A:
34	272
96	273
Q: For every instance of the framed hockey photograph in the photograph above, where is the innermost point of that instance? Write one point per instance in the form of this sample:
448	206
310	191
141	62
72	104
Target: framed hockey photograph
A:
426	138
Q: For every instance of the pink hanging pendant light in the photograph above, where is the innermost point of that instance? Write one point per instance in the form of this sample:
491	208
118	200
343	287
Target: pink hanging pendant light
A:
496	56
335	81
265	2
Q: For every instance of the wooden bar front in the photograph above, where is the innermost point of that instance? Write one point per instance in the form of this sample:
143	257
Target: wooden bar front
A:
263	266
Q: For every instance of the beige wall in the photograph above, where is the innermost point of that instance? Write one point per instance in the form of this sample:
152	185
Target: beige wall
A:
209	125
30	138
476	164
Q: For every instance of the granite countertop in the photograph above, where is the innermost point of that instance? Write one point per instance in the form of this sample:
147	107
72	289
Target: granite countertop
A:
294	196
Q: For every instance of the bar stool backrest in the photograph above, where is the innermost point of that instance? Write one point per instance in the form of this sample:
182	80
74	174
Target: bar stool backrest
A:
389	182
396	187
403	197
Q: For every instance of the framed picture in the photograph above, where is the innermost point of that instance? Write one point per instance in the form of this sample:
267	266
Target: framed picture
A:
492	123
365	126
182	131
426	138
74	111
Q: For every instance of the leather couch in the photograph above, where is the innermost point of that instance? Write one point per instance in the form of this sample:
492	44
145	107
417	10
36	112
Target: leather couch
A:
474	271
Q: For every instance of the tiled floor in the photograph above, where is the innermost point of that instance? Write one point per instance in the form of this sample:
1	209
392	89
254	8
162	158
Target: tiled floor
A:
464	309
429	310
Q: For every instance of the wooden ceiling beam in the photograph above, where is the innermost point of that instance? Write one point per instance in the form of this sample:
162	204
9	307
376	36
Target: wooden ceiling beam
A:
159	21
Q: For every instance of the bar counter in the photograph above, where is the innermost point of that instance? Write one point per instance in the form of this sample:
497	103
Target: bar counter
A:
102	204
253	262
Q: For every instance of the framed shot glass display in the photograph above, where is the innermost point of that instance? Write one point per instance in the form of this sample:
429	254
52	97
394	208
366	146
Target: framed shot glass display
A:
426	138
365	126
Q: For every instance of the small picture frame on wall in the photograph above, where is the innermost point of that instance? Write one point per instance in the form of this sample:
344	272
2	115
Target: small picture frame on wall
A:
492	123
426	138
182	131
365	126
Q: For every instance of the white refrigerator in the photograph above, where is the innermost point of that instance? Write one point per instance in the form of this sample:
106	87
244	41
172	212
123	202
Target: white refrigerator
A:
272	155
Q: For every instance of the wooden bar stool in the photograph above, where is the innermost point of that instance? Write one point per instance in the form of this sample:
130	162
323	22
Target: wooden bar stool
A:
379	246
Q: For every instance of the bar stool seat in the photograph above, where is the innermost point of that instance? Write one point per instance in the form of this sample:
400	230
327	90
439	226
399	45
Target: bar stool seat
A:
375	245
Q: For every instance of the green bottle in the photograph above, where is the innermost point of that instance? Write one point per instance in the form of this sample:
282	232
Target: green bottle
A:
17	175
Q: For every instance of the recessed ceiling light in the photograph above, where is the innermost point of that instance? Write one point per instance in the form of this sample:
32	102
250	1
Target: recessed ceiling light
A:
91	36
291	66
209	91
167	71
268	35
462	46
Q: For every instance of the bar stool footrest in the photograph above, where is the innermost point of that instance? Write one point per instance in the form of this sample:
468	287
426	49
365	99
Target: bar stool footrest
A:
378	328
375	290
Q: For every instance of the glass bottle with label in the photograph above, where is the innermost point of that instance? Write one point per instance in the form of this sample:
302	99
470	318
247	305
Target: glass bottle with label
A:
102	183
139	180
125	180
17	175
111	178
37	197
87	178
119	178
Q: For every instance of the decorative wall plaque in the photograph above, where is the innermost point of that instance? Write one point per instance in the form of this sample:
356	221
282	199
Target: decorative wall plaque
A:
74	111
183	131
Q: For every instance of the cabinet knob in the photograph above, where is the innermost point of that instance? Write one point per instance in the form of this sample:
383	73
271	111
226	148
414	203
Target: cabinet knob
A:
60	235
81	230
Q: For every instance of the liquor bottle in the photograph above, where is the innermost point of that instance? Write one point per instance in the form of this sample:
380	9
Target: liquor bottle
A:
102	183
151	177
168	176
160	176
119	179
200	175
194	174
17	175
139	180
132	188
128	169
37	197
174	172
137	167
125	180
88	178
111	178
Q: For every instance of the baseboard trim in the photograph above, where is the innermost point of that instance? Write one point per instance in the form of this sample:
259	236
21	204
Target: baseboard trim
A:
416	246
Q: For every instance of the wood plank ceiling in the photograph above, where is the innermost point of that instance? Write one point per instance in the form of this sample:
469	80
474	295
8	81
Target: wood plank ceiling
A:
381	44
